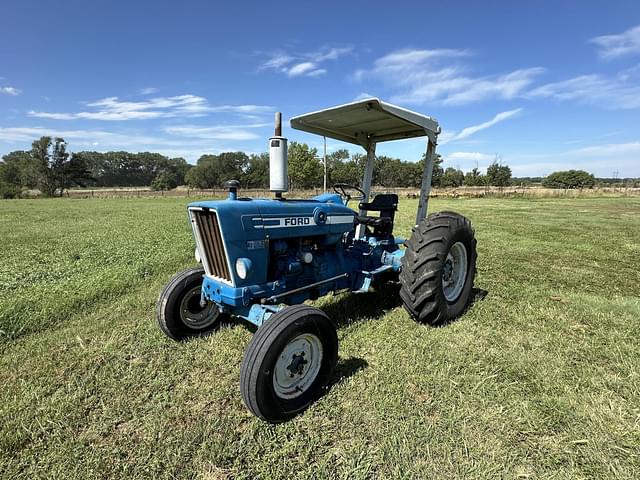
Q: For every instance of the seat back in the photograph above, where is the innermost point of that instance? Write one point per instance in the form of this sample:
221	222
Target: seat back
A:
387	205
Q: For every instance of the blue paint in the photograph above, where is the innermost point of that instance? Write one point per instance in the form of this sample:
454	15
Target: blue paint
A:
288	245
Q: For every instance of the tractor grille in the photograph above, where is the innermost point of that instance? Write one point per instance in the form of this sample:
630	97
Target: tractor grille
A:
210	244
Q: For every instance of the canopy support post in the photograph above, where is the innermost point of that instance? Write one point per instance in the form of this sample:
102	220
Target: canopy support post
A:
366	183
427	174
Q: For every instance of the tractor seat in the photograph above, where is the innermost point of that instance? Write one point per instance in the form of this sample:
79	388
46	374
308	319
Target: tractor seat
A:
383	202
375	222
386	204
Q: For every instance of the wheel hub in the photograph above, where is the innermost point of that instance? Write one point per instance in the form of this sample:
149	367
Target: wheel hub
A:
297	366
454	272
193	314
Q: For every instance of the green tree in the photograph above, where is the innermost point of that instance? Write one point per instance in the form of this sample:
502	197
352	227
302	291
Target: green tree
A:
305	169
166	180
452	177
19	169
256	174
51	156
474	178
335	165
498	175
212	171
569	179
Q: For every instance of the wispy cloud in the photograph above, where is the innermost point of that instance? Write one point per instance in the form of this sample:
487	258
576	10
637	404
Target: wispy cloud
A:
621	91
448	137
619	45
10	91
301	69
148	91
173	142
438	76
469	157
216	132
114	109
601	160
302	64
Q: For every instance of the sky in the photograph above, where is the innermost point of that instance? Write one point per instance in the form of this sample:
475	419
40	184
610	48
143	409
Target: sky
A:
540	86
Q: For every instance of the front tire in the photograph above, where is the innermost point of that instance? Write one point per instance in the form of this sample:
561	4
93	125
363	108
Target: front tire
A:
290	358
438	268
179	313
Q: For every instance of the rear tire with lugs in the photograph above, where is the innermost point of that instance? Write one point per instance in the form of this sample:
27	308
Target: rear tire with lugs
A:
438	268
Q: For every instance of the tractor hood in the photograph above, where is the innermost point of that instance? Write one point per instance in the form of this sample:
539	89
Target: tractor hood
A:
226	230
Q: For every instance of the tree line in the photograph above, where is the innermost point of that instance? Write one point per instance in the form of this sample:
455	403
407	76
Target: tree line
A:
49	167
306	170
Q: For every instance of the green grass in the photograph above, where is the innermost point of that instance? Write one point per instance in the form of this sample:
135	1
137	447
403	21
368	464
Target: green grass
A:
540	379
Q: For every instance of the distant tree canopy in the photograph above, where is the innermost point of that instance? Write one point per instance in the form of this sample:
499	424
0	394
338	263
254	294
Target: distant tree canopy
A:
569	179
49	167
498	175
124	169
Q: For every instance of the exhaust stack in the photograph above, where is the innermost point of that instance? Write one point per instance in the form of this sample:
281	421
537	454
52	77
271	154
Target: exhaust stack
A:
278	174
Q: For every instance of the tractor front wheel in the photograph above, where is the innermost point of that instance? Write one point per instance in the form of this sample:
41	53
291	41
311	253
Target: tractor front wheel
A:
290	358
438	268
179	312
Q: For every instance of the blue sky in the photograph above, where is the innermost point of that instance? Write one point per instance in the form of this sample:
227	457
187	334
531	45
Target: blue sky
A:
543	85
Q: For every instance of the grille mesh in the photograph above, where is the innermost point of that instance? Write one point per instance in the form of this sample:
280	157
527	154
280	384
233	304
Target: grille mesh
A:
211	241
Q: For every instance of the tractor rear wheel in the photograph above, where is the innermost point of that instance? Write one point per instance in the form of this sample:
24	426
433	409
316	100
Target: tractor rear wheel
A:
438	268
179	313
289	360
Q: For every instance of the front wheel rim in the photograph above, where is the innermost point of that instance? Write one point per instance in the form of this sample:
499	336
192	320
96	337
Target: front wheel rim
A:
297	366
454	272
192	314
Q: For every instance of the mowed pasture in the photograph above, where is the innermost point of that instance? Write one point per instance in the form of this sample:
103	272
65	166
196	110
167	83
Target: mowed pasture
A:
539	379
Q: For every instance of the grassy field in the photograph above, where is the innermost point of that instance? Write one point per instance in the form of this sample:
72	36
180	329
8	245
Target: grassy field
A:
539	379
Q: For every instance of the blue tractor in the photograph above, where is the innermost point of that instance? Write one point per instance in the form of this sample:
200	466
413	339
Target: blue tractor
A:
261	259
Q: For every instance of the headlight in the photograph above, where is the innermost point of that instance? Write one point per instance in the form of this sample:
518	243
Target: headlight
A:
198	259
243	267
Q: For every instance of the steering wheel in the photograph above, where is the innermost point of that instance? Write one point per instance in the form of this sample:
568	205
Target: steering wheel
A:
342	189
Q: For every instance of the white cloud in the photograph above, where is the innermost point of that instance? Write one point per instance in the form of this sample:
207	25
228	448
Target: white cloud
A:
114	109
171	143
10	91
216	132
621	91
620	45
437	76
277	60
302	64
148	91
601	160
363	96
468	157
448	137
301	68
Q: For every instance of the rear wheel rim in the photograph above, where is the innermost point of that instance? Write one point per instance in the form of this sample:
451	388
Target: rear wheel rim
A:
454	272
297	366
192	314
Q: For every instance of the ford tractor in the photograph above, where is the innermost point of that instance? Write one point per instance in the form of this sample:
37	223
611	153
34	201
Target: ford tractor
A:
262	259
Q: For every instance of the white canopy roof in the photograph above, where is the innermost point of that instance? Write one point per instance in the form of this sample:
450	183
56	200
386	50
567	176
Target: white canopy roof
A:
365	121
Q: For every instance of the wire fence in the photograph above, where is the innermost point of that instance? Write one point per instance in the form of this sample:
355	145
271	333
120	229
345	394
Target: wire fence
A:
466	191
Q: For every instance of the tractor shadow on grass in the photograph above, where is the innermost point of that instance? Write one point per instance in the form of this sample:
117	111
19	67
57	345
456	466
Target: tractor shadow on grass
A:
346	367
350	309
